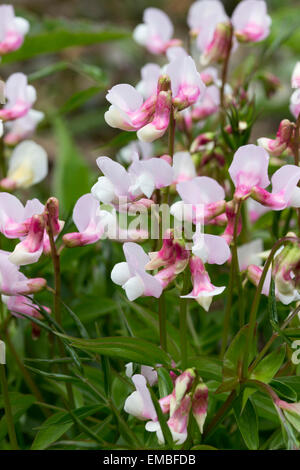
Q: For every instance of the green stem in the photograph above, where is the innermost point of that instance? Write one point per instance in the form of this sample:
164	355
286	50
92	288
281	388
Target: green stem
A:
27	377
255	304
57	306
162	322
7	407
183	321
234	271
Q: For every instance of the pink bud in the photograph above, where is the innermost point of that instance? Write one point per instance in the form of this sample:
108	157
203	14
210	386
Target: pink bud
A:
219	47
199	404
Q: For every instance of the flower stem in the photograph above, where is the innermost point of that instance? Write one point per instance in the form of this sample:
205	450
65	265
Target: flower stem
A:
57	305
234	271
162	322
7	407
255	304
183	321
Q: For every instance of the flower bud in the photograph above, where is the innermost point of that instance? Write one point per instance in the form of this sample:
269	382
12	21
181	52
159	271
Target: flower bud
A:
52	212
199	404
219	47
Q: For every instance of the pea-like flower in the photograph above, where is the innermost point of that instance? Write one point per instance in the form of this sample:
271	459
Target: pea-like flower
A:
132	275
23	127
28	165
251	21
19	97
12	30
156	32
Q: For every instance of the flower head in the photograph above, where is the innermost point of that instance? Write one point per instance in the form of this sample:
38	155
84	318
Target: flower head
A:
12	30
251	21
19	95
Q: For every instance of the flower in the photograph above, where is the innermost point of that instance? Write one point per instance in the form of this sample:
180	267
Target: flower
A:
150	75
295	103
135	150
200	404
22	127
249	168
211	249
295	80
202	197
277	146
148	372
249	253
186	83
29	250
141	178
250	21
203	290
139	403
13	282
19	95
28	165
183	167
131	275
12	30
208	105
156	31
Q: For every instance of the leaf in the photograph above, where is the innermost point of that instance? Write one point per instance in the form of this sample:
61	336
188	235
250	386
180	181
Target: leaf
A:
247	422
126	348
53	376
78	99
71	173
61	38
208	367
19	405
267	368
59	423
203	447
284	390
165	384
48	70
162	420
234	355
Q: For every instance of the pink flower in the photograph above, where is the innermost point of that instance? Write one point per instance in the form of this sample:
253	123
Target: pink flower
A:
277	146
295	80
139	403
19	95
256	210
141	178
13	282
156	31
23	127
29	250
176	52
187	86
202	197
250	21
249	168
208	106
285	191
295	103
203	18
14	217
203	290
136	150
183	167
91	222
160	122
132	276
148	372
150	74
249	253
12	30
211	249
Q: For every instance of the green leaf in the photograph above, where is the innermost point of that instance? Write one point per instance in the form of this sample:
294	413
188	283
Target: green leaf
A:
79	98
203	447
162	421
247	422
267	368
48	70
208	367
61	38
19	405
165	384
234	355
126	348
72	176
59	423
284	390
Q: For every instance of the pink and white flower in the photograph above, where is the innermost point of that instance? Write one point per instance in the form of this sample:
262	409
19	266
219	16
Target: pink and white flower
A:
12	30
132	275
203	290
28	165
249	168
148	372
139	403
277	146
23	127
19	95
136	150
13	282
295	103
156	32
295	80
183	167
251	21
142	177
29	250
